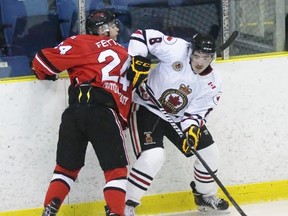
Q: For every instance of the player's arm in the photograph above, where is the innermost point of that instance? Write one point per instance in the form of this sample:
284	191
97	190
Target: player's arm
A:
165	48
200	108
42	68
49	62
138	44
139	48
143	42
196	116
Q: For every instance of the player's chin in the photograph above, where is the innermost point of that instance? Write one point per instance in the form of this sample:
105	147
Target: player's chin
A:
198	71
114	36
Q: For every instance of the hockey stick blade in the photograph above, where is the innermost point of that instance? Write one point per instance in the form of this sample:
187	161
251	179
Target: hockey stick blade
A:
180	133
229	41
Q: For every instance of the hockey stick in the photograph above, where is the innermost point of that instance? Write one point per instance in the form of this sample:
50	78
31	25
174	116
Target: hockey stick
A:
180	133
229	41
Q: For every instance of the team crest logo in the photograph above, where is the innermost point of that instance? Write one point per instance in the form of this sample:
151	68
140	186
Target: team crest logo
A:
174	100
177	66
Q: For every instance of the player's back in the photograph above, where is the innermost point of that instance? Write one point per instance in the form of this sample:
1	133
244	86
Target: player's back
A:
93	53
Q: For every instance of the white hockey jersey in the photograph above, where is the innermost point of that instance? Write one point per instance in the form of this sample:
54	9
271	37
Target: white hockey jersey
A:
188	97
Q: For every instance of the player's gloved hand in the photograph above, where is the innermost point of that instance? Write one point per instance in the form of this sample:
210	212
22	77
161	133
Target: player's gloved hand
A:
138	70
43	76
191	140
52	77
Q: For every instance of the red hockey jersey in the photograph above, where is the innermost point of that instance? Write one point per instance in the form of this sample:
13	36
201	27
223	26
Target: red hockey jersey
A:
99	60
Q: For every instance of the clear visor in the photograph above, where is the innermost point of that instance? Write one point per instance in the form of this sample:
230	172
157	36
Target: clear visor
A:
106	27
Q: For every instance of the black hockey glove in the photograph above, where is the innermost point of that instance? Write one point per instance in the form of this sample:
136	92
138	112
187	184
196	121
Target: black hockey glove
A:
138	70
53	77
47	77
191	140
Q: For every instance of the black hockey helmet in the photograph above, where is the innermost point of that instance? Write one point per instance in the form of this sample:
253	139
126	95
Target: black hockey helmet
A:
98	18
203	43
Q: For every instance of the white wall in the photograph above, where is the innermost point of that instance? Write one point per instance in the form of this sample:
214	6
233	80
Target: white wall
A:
250	125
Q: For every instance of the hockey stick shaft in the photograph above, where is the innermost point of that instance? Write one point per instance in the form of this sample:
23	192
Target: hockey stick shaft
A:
229	41
180	133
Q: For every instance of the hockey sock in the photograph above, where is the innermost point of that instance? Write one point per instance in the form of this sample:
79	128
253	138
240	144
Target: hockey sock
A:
115	189
143	172
60	184
204	182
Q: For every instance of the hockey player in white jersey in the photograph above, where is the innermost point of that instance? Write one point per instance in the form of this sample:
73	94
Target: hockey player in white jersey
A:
188	89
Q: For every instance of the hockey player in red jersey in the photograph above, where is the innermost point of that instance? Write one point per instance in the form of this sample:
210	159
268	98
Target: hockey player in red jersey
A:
188	88
102	77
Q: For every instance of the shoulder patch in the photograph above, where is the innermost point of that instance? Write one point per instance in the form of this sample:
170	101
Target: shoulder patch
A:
217	98
169	40
177	66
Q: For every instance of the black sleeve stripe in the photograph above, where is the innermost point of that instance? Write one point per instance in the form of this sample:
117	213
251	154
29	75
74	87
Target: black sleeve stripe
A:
196	120
192	116
145	37
141	40
138	39
47	62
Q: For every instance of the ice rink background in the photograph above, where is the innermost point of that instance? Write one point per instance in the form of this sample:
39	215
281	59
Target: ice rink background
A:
277	208
250	126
